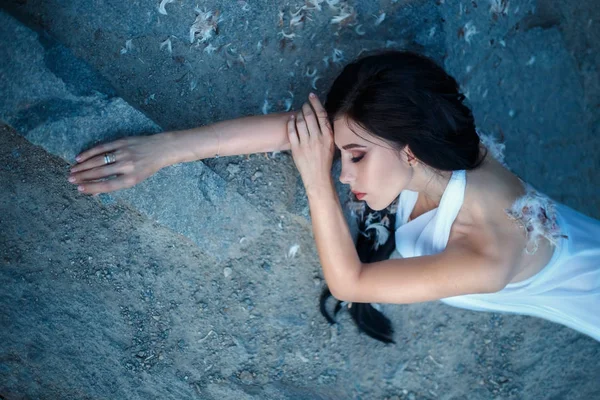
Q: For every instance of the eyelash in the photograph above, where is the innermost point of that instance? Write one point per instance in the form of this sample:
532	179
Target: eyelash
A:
357	159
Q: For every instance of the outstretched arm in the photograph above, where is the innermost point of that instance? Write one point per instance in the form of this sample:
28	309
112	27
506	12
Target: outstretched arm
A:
133	159
248	135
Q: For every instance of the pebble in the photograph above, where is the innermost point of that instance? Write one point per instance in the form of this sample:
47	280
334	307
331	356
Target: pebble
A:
227	271
233	169
246	377
257	175
266	266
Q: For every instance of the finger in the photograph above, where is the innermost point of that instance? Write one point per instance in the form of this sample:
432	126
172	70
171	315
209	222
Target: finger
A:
120	182
311	121
301	128
103	148
321	114
291	128
96	161
97	173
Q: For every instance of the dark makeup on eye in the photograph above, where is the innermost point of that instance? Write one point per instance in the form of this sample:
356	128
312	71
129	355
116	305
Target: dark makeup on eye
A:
357	159
354	146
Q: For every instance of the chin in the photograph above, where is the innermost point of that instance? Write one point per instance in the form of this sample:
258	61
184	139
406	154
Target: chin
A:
378	205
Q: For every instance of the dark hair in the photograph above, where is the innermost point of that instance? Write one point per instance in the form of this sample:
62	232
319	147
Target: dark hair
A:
407	99
367	318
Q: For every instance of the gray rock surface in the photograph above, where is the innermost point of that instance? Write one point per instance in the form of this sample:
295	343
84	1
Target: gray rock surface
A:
55	100
530	71
98	302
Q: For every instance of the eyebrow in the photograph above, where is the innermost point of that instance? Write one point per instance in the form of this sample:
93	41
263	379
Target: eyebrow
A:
352	146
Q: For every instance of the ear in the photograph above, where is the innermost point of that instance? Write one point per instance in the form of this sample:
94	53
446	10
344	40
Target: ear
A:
410	157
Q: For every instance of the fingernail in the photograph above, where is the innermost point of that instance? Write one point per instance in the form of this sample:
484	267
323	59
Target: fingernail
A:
71	179
78	158
80	188
312	95
292	116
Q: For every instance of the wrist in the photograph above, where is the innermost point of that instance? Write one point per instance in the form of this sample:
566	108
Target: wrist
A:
318	189
170	154
191	145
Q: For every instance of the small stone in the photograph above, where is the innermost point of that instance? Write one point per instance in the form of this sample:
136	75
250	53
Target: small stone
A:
257	175
227	271
317	281
246	377
233	169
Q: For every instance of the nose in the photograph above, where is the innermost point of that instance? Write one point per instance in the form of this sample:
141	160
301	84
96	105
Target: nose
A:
347	175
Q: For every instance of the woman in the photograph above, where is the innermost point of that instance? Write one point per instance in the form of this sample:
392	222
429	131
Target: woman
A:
467	230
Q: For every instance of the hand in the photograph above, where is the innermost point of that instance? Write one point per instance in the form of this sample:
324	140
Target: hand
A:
135	159
311	139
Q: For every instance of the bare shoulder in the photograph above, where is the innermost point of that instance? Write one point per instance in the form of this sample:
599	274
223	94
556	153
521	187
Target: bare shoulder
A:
484	225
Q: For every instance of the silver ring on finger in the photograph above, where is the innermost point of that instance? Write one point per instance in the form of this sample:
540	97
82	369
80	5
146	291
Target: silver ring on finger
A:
110	158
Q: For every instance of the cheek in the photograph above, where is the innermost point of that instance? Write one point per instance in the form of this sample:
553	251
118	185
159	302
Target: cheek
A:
386	178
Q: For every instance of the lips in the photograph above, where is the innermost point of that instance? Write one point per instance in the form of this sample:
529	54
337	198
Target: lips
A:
359	195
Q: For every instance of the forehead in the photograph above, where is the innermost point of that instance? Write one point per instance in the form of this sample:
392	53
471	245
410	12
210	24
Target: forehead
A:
345	131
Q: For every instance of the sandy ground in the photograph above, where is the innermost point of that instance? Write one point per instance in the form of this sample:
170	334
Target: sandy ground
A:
100	303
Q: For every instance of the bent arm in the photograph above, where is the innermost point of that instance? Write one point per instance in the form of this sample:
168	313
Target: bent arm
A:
247	135
462	268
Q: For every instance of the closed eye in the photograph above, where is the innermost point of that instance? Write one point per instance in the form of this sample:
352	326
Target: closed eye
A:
357	159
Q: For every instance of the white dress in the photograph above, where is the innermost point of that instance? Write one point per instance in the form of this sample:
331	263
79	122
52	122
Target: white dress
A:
566	290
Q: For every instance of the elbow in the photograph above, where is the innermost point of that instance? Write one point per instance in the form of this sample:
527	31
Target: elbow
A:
348	287
348	292
341	293
344	291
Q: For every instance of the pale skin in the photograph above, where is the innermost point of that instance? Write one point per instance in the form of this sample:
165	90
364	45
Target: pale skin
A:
485	250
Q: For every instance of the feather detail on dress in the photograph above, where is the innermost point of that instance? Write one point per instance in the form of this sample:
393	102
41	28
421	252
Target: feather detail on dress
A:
495	148
534	211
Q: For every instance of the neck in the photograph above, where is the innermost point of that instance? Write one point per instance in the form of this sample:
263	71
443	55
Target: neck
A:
430	183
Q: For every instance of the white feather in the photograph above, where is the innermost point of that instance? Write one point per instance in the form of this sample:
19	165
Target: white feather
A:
161	7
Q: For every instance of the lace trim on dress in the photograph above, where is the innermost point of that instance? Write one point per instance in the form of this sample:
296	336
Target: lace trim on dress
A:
534	211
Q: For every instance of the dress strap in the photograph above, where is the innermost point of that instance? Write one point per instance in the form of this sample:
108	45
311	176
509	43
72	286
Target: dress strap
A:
406	204
450	205
428	233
